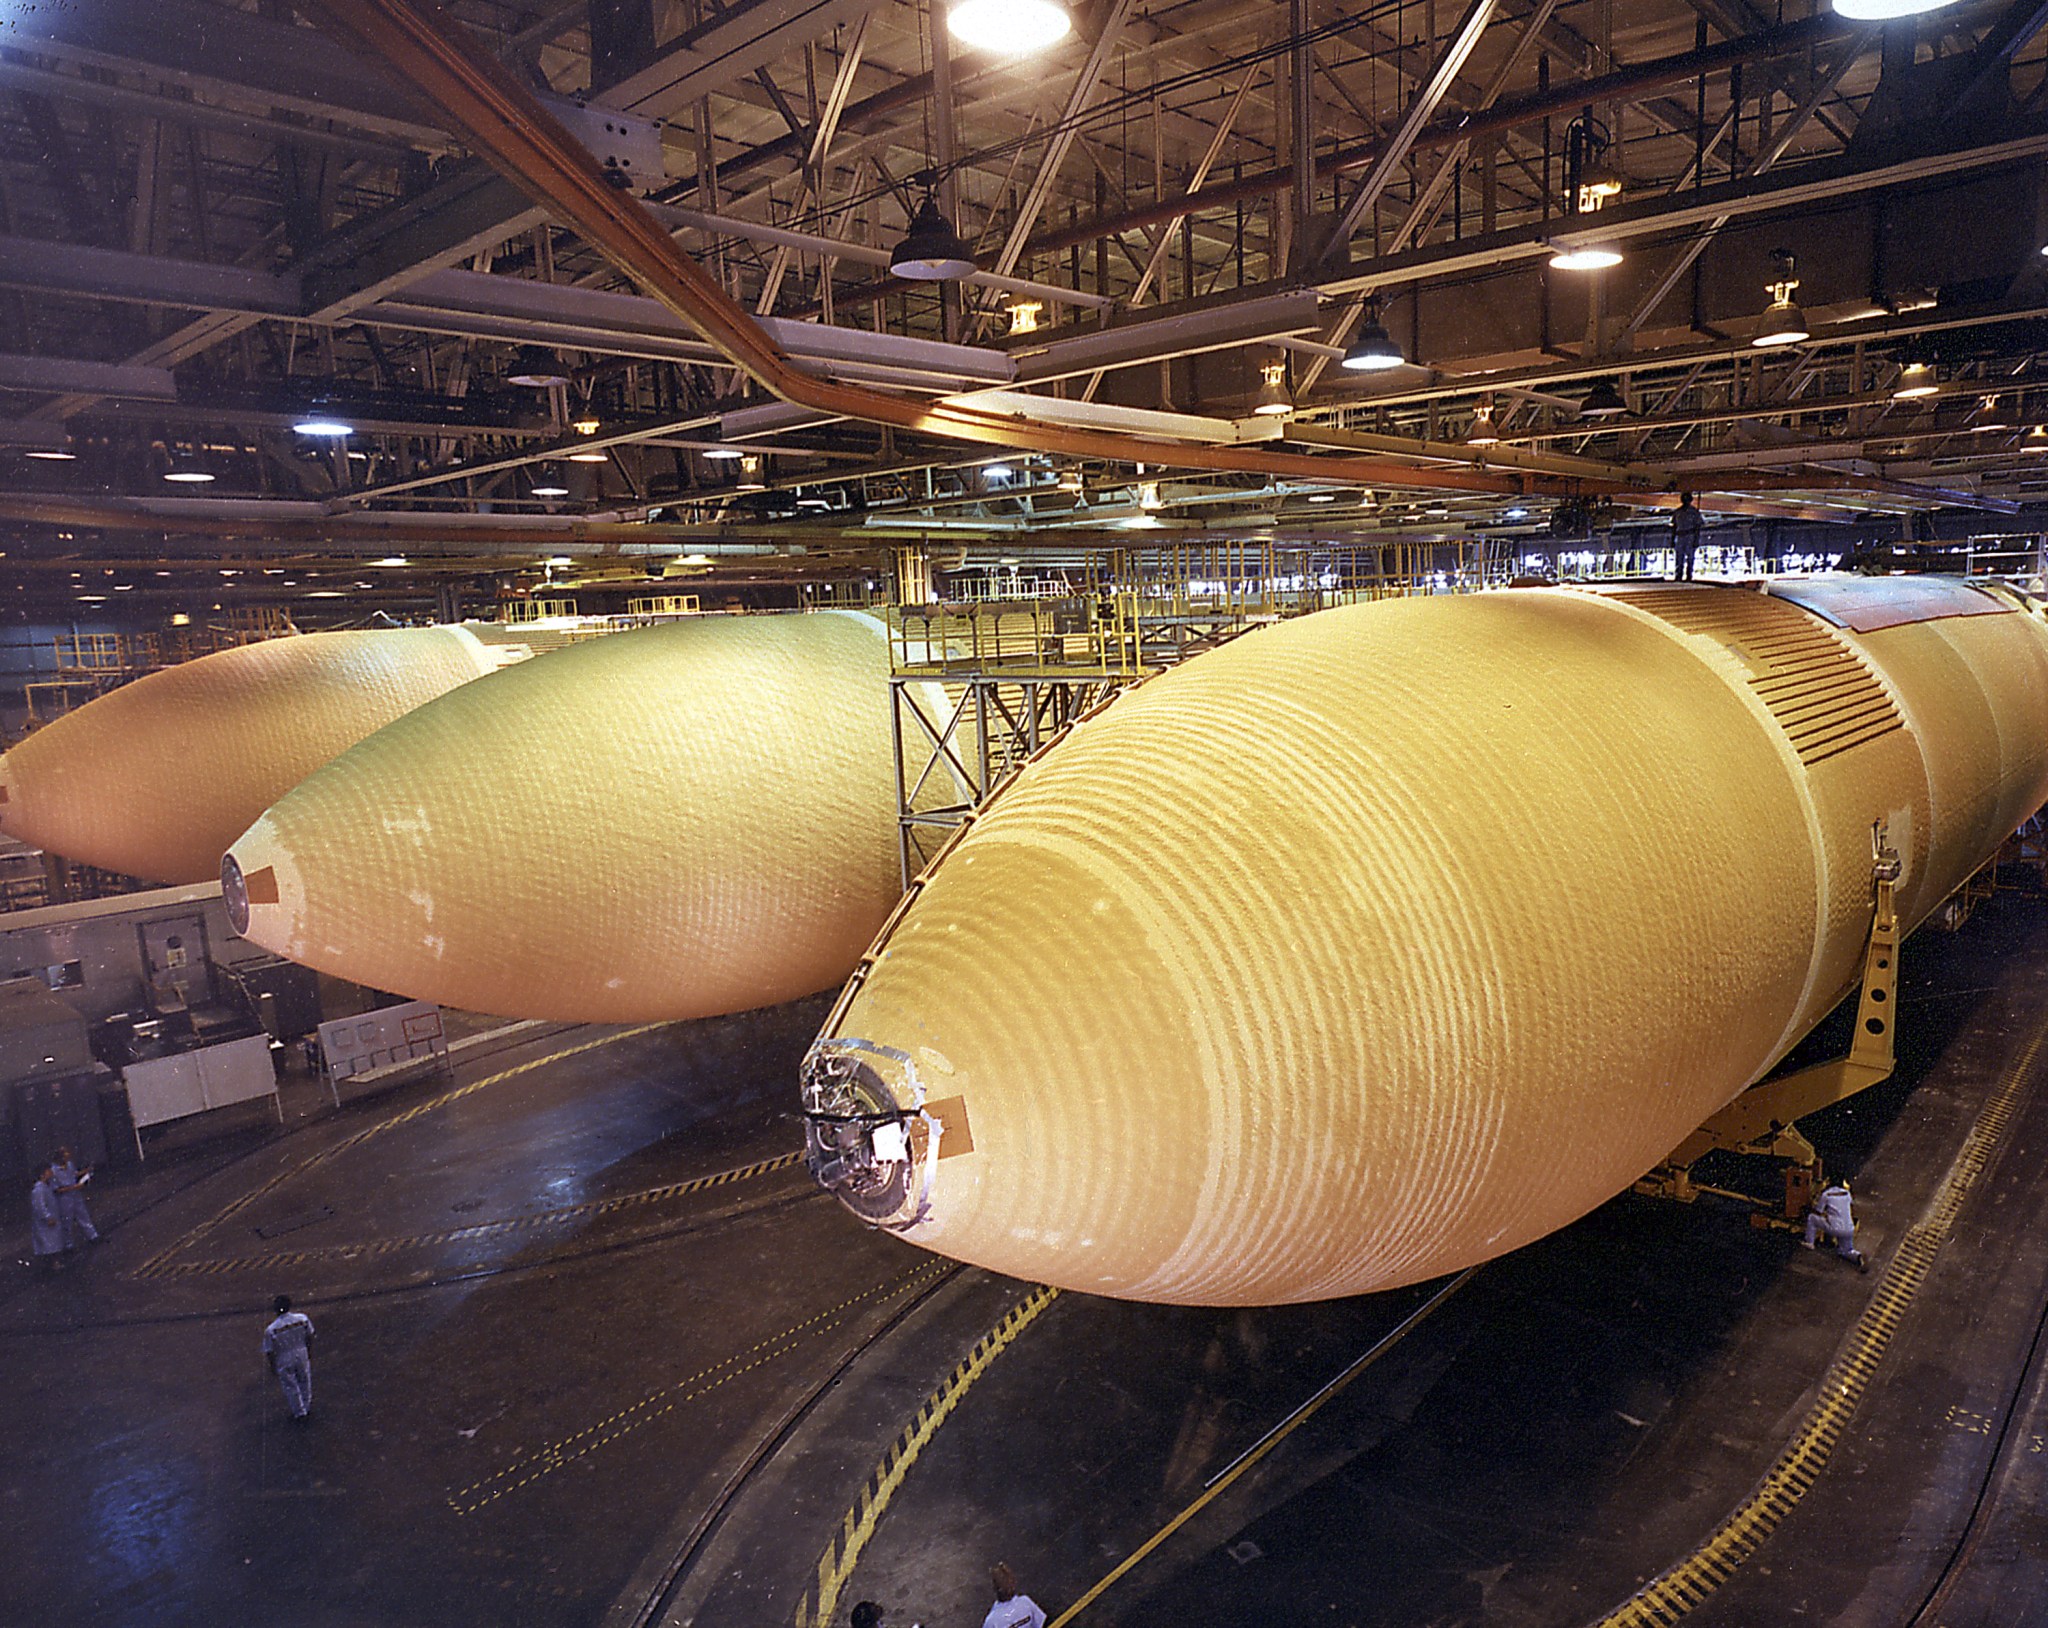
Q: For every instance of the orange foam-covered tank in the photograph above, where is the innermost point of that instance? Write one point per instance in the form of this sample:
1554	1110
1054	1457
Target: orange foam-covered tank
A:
1381	942
671	822
155	779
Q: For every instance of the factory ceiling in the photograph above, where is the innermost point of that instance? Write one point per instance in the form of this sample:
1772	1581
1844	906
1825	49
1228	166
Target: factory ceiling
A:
609	282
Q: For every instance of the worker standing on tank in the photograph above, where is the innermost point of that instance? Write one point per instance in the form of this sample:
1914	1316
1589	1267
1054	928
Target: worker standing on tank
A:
1831	1214
1685	537
72	1214
1012	1609
287	1347
45	1222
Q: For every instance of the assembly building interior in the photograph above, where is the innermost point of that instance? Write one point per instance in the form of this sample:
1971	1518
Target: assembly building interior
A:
1100	812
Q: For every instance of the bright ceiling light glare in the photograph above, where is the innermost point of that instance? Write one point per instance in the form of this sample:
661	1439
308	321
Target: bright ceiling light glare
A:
1916	379
53	455
1483	433
1590	257
388	559
997	471
1885	11
1008	28
549	483
321	593
188	472
589	457
324	425
2037	439
723	454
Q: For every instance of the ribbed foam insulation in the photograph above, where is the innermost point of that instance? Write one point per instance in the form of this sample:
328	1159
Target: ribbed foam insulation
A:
1383	941
156	778
670	822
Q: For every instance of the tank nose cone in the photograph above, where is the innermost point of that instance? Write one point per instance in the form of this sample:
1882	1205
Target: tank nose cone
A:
1255	990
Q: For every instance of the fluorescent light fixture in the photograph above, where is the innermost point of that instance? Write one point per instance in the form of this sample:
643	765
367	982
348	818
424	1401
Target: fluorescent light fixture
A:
1322	497
1590	257
1008	28
315	593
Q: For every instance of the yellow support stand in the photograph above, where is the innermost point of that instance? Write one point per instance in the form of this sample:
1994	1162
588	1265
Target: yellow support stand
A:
1762	1120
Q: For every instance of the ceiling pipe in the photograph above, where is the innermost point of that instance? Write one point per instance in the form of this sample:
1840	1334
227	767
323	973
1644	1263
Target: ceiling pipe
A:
507	124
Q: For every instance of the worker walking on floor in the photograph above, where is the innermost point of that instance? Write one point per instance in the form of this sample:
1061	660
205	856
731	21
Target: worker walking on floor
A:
1012	1609
1831	1214
72	1214
288	1348
45	1223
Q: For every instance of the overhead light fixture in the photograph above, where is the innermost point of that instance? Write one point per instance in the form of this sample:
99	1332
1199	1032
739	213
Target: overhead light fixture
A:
750	475
1322	497
1069	480
54	455
1274	399
388	559
1603	401
1784	323
319	421
931	252
1916	379
1590	180
723	454
997	471
549	482
536	369
188	471
2037	439
1483	433
1374	350
1884	11
180	619
1009	28
586	422
1148	495
1024	316
1986	418
590	456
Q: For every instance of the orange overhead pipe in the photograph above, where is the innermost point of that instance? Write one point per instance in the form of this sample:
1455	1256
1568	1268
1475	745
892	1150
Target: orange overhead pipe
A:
507	124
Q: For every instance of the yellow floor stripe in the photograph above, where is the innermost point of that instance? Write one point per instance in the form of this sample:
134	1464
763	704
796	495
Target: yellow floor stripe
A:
544	1461
1272	1439
155	1264
375	1248
836	1564
1676	1591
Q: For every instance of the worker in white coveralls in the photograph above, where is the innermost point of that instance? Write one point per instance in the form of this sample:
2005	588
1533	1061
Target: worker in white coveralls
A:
288	1348
1831	1215
45	1226
71	1210
1012	1608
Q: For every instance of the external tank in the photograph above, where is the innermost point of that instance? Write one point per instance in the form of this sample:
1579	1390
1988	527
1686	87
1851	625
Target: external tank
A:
1379	943
155	779
672	822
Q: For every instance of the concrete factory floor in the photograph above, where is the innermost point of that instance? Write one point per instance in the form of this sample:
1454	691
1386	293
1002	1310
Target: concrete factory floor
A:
592	1351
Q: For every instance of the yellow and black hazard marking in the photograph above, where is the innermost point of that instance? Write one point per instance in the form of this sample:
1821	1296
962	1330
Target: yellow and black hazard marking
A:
377	1248
842	1553
544	1461
156	1265
1677	1591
